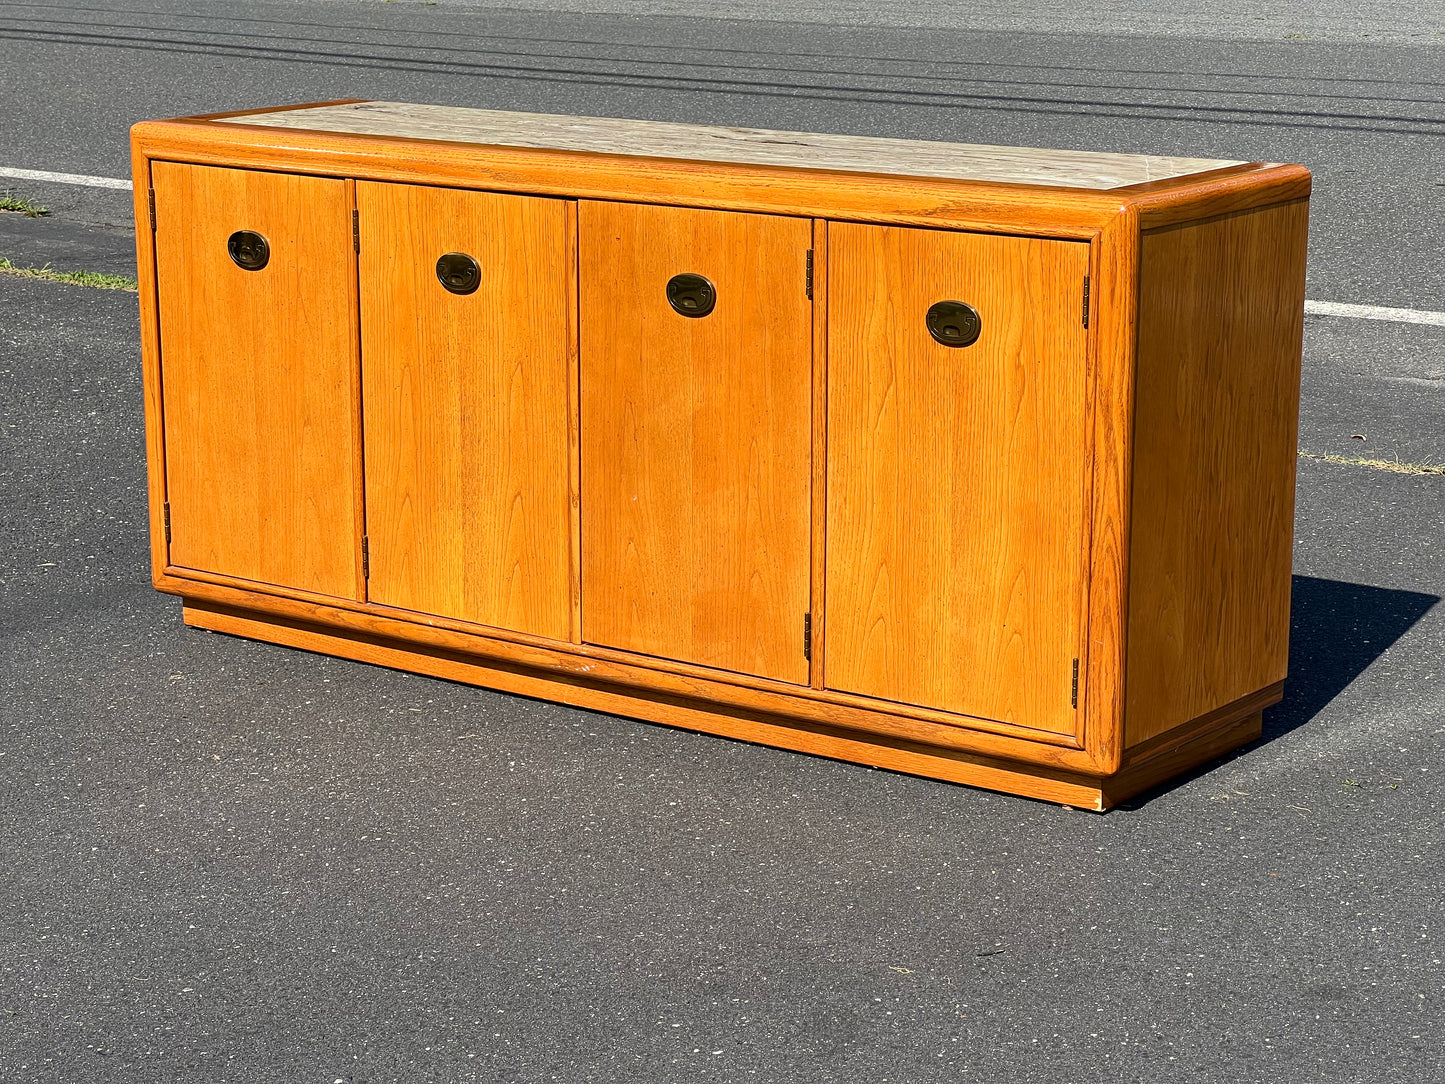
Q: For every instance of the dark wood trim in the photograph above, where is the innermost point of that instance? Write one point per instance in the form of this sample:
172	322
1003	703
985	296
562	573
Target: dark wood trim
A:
586	690
348	619
1025	210
1174	759
1184	747
1221	195
270	109
1173	184
1155	231
1227	715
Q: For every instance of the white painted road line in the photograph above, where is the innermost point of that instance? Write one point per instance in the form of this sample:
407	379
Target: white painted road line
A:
63	178
1375	312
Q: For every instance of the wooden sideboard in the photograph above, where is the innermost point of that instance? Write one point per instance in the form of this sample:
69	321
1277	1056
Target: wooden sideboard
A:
971	462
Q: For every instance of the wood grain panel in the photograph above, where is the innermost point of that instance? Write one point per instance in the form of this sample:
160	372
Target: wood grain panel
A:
1221	317
258	370
466	400
696	438
956	475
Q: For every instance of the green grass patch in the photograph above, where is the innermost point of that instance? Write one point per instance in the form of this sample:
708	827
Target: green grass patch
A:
1392	465
70	278
20	205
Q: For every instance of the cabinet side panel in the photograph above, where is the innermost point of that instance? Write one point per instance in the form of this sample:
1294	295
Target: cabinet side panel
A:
1221	319
467	451
261	441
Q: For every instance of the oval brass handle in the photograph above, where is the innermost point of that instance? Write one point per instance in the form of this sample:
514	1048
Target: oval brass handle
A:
954	323
691	295
459	273
249	250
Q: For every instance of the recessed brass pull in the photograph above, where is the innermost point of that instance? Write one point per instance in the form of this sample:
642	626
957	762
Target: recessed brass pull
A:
691	295
459	273
249	250
954	323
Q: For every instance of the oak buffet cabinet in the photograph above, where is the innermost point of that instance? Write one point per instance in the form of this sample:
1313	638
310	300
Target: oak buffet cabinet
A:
972	462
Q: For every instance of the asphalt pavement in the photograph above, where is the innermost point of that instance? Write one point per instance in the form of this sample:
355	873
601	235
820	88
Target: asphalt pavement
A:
227	861
1406	21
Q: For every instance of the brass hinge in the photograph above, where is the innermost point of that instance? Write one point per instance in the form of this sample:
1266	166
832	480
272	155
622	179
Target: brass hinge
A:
166	508
365	558
1074	696
1086	300
808	637
355	230
153	209
809	285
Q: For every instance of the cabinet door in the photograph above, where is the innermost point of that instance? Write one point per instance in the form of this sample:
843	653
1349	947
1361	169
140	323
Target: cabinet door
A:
695	437
259	373
467	454
955	541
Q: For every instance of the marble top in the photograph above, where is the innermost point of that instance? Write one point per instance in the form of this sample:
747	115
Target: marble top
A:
751	146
